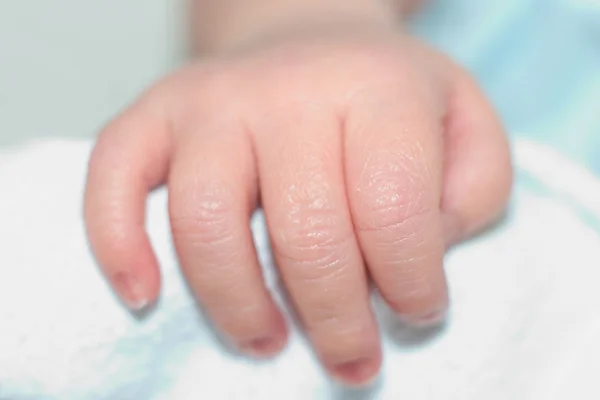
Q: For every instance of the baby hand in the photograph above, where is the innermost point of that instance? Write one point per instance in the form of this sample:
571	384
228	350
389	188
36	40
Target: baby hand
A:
370	154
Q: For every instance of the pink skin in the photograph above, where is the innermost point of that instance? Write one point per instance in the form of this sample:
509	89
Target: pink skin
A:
407	7
370	153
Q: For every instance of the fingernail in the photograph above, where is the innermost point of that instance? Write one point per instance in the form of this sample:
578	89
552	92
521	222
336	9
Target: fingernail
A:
357	372
263	347
131	291
430	319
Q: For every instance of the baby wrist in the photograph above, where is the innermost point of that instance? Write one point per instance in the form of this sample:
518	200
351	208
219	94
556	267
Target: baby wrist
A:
225	25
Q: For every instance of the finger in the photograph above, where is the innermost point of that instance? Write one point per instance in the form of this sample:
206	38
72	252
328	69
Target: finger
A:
478	173
212	194
394	188
303	194
130	158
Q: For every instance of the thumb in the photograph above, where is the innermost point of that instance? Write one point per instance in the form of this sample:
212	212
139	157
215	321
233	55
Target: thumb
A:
477	165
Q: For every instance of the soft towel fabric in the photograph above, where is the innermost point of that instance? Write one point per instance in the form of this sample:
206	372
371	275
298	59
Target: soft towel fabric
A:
524	322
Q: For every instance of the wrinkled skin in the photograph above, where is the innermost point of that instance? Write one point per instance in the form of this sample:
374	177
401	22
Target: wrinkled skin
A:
370	154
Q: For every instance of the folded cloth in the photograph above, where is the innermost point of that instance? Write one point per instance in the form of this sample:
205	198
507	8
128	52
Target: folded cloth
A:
524	322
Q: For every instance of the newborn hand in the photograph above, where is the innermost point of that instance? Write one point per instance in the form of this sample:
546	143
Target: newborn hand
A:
369	153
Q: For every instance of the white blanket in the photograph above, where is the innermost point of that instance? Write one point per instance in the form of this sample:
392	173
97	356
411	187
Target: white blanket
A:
525	320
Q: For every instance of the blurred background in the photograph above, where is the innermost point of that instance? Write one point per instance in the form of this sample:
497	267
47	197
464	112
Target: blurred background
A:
67	66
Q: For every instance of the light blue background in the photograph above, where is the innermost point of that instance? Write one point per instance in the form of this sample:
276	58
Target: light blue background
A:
538	60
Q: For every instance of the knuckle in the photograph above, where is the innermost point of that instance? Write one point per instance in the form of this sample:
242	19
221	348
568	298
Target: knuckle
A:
312	232
391	203
311	221
314	240
204	213
395	187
